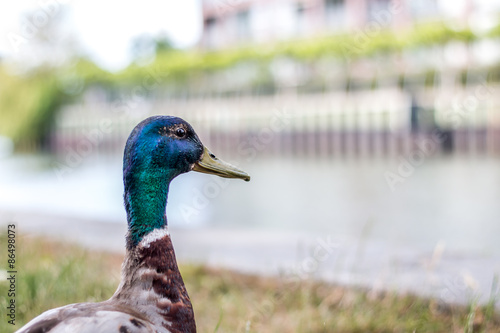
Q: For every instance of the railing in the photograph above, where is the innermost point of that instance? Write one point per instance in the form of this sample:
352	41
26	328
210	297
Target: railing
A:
384	122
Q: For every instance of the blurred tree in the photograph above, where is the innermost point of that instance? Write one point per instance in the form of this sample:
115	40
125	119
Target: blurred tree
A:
163	43
31	85
144	48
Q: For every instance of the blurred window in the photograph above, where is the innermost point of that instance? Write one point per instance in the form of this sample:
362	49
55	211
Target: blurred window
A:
377	9
334	13
210	33
210	23
427	9
300	14
243	24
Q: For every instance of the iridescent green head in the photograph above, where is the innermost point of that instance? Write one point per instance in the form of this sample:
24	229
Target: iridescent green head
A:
159	149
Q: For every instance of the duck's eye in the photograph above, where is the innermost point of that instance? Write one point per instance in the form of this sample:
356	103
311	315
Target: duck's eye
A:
180	132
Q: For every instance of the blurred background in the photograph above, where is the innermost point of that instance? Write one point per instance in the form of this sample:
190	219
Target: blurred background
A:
371	130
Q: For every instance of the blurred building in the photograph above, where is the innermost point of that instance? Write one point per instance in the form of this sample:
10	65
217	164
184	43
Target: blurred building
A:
374	105
230	22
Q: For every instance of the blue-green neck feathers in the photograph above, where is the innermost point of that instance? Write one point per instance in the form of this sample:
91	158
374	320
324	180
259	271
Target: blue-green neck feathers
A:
145	202
156	152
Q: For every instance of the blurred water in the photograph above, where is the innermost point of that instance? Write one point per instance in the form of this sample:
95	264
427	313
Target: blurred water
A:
453	200
447	205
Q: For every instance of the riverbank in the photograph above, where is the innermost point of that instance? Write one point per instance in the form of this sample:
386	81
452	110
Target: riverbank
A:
359	262
56	273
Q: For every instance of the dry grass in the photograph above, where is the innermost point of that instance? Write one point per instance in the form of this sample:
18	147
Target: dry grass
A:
51	274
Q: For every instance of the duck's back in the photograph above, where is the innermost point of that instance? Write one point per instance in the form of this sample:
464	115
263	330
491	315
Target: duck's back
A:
90	318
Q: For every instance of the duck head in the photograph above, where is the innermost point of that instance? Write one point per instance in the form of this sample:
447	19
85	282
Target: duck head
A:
169	145
159	149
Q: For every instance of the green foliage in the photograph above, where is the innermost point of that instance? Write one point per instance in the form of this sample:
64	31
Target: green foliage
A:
495	32
27	104
346	47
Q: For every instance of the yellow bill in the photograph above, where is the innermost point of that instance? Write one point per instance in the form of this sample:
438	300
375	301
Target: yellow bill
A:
210	164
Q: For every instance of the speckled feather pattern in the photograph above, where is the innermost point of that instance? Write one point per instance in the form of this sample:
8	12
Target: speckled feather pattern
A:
153	285
151	297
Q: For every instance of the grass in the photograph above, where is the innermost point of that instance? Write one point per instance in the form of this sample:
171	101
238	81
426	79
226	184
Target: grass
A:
52	274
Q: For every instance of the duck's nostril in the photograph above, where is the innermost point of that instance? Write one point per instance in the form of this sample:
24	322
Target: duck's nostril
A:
213	156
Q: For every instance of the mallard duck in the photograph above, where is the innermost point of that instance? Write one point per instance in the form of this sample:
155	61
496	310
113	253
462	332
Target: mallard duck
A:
151	296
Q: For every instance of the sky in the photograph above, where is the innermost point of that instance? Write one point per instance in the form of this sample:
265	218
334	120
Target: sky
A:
102	29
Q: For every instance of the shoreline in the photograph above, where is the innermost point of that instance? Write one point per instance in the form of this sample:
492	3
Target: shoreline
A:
448	277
